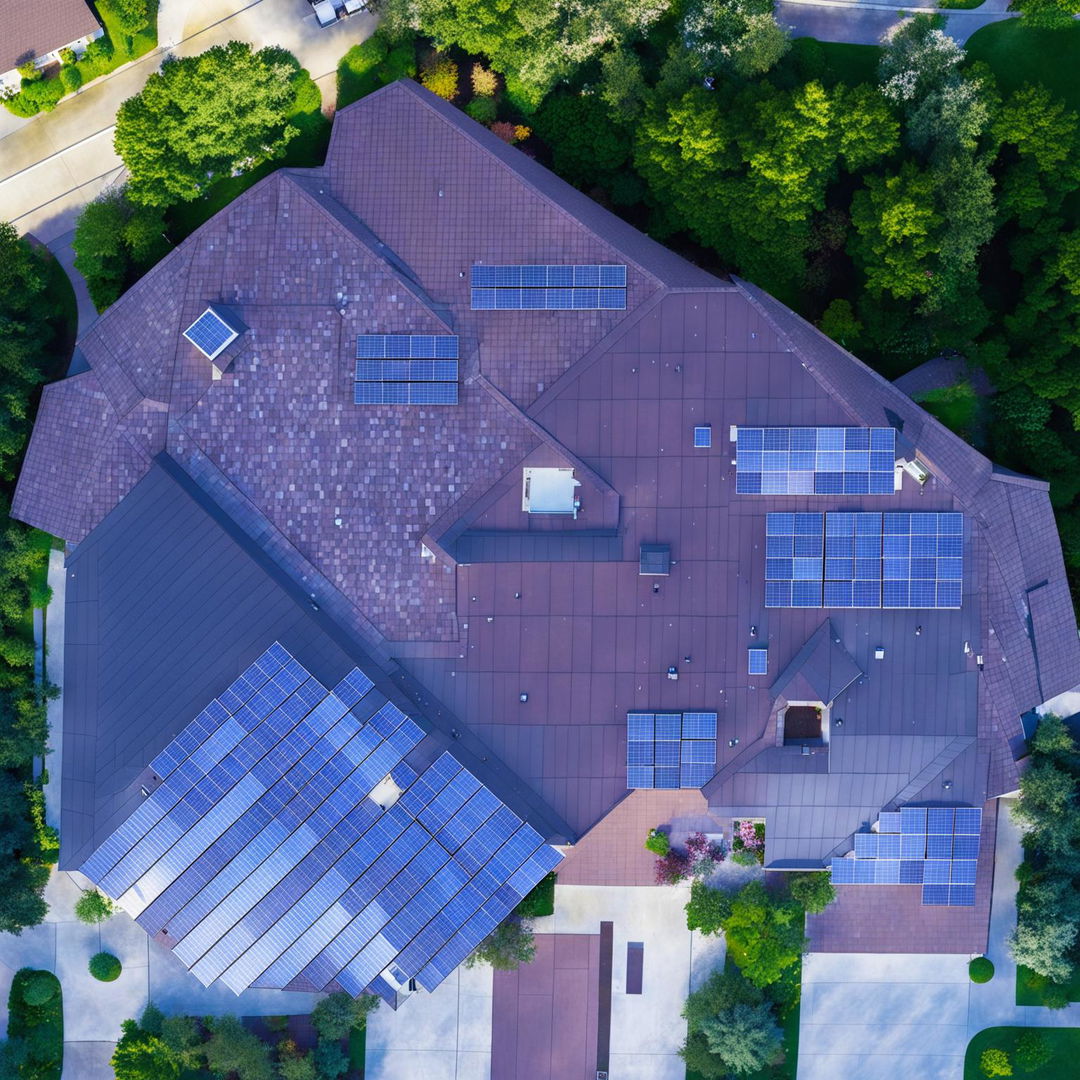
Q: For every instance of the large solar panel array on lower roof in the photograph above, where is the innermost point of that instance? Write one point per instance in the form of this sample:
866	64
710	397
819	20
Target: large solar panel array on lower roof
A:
670	749
406	369
260	857
936	847
815	461
548	287
864	560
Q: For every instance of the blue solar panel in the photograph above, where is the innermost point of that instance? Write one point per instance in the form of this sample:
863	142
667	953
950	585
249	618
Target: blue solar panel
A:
406	370
913	819
843	871
210	333
265	859
964	871
852	560
965	847
961	896
939	847
695	774
758	662
889	821
935	895
968	820
794	544
702	437
698	751
936	871
405	393
548	287
406	346
698	725
668	777
913	846
864	871
640	776
667	753
911	871
888	846
815	461
668	726
639	753
886	872
640	726
866	845
922	560
939	819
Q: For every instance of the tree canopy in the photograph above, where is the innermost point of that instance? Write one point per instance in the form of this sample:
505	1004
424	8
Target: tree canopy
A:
203	117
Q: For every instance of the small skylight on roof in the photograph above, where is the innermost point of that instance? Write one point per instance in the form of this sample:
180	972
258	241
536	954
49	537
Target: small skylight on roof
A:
549	491
702	437
210	333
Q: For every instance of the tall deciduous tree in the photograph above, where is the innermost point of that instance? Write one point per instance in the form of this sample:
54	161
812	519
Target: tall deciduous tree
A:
203	117
740	36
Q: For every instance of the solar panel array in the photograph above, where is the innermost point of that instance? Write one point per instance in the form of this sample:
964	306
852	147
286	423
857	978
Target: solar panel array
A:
406	369
548	287
670	749
260	858
815	461
936	847
210	333
864	560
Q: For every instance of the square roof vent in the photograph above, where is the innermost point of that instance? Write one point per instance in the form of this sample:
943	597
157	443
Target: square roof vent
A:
654	560
211	333
550	491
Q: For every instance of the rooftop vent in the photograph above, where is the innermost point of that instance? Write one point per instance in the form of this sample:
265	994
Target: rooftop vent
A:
550	491
654	560
211	333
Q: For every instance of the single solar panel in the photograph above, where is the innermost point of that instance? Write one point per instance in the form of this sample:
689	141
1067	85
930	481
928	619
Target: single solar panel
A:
695	774
702	437
758	661
968	820
913	819
889	846
889	821
698	725
961	896
210	333
866	845
639	776
935	895
842	871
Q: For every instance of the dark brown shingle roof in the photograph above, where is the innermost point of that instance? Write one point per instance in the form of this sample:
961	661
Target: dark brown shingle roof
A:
28	29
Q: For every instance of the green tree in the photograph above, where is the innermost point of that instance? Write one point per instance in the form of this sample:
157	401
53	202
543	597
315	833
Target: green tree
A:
746	1038
330	1060
707	908
131	15
232	1049
586	147
740	36
336	1015
294	1065
918	58
814	891
93	908
622	87
764	935
207	116
508	946
139	1055
1044	947
1049	14
839	322
40	988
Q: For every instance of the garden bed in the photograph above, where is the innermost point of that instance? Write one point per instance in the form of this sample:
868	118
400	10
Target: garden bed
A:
1063	1044
1029	987
41	1025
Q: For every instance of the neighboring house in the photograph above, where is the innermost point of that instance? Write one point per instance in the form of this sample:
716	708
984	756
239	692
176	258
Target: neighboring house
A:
30	31
595	519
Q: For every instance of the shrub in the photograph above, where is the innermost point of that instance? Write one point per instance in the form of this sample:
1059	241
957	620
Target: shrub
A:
330	1060
39	988
335	1016
105	967
540	900
36	1032
814	891
29	71
508	946
482	109
93	908
231	1048
702	854
981	969
71	78
764	934
504	130
440	76
707	908
744	858
995	1062
484	81
672	868
277	1023
521	132
1032	1050
659	843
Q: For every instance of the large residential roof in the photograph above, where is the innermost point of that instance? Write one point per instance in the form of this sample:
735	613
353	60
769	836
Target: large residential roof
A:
28	30
531	636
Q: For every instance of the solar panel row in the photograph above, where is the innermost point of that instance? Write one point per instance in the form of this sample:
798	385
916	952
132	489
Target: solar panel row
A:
815	461
872	560
406	347
266	859
546	275
405	393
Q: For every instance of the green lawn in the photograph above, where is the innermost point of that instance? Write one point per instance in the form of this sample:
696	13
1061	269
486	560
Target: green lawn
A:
541	900
128	48
1064	1042
1019	54
957	407
851	64
1029	987
357	1048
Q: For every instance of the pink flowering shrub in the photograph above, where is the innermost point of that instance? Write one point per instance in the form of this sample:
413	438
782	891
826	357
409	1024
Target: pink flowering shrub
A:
697	861
672	868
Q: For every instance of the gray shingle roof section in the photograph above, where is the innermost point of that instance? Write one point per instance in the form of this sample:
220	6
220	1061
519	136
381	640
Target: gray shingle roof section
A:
29	30
819	671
